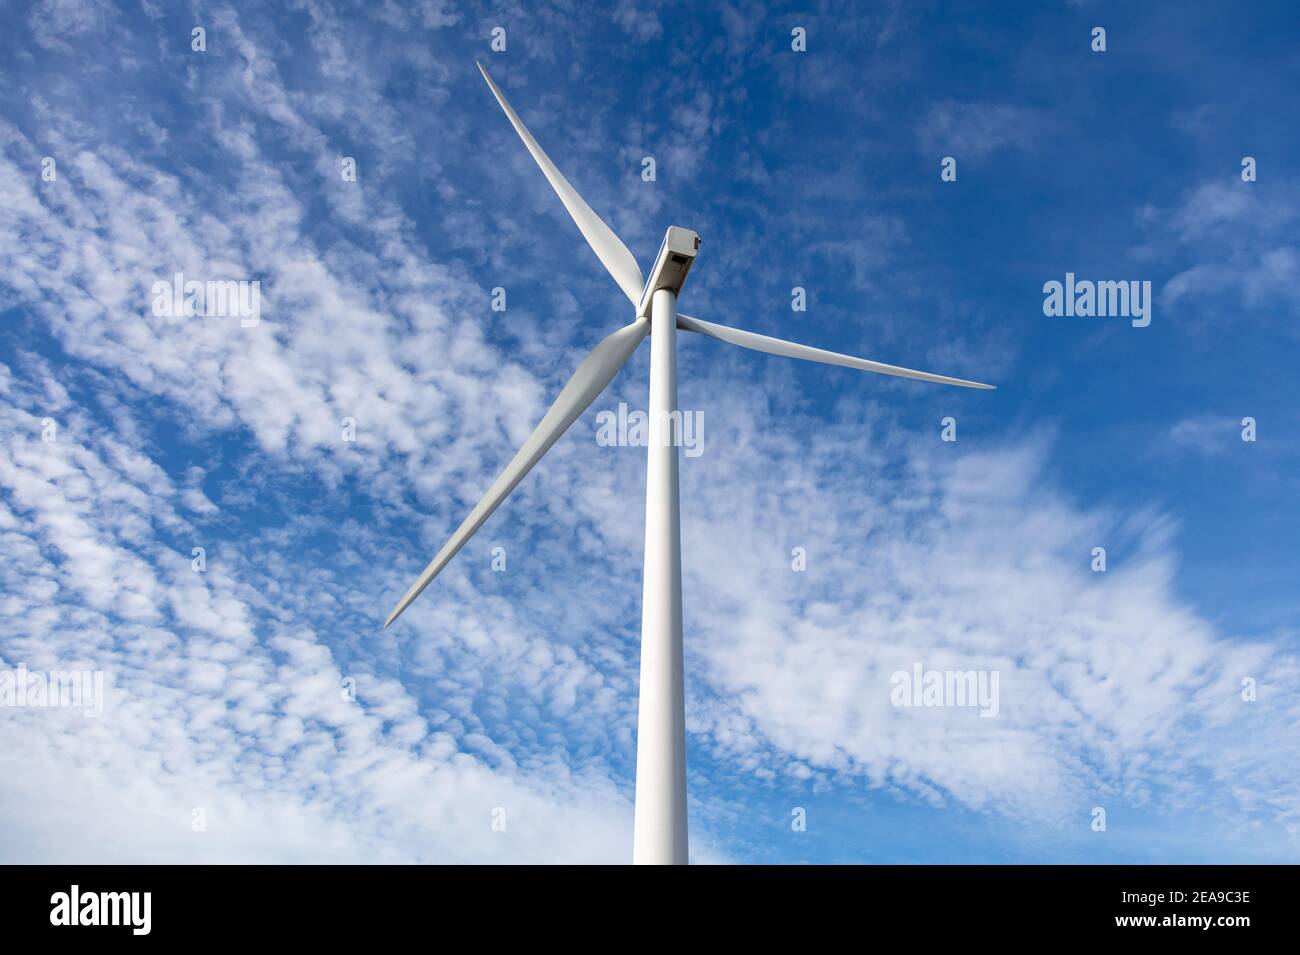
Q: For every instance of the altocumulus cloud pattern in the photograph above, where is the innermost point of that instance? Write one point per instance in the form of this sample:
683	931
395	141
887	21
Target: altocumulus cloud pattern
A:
279	299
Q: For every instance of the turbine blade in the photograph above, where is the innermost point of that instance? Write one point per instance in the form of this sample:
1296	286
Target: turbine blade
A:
776	346
595	372
609	248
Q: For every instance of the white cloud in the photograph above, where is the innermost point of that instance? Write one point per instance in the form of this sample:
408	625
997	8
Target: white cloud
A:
973	130
214	704
1207	434
1230	241
1111	686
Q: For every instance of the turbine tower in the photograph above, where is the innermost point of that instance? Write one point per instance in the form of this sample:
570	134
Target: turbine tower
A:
660	814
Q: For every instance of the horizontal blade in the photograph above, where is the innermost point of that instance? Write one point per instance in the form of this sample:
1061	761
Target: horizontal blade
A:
609	248
595	372
775	346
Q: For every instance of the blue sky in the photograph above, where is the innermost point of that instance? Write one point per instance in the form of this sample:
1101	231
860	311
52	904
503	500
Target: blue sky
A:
516	690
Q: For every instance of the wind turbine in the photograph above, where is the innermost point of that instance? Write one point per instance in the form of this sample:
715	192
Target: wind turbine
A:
659	828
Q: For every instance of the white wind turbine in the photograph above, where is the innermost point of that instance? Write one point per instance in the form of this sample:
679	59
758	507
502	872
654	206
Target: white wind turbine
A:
660	816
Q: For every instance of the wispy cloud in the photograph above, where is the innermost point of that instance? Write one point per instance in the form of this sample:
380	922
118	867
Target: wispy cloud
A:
975	130
1231	242
1207	434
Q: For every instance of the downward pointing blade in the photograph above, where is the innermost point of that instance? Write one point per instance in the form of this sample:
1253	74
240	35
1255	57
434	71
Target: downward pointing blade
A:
609	248
776	346
595	372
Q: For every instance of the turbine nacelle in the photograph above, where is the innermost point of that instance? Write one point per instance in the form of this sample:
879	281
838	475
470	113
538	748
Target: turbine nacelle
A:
675	258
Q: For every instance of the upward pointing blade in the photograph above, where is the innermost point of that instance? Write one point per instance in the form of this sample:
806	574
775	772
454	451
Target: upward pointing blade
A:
609	248
595	372
777	346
